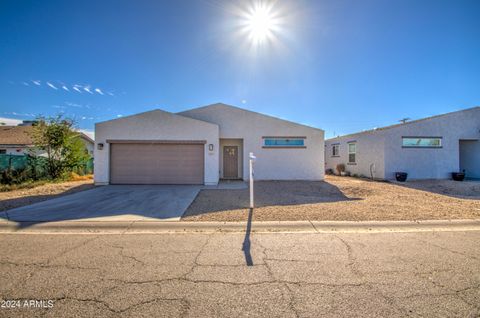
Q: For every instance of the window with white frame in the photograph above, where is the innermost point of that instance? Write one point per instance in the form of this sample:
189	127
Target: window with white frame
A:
352	152
335	150
422	142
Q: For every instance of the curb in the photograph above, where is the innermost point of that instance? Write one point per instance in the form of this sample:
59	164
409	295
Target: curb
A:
146	227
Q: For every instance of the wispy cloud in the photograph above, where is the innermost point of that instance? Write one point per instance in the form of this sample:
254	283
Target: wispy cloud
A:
77	88
52	86
59	85
88	89
119	115
19	114
73	104
58	106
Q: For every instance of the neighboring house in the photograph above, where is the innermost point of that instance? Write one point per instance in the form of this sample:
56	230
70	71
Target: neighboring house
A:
203	145
429	148
17	140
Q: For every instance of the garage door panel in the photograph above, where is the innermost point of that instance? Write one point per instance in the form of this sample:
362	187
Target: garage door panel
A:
156	163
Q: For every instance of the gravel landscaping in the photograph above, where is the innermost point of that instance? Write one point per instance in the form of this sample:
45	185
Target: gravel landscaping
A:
341	198
18	198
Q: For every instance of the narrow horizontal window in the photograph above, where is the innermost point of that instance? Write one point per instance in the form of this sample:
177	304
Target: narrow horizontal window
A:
422	142
283	142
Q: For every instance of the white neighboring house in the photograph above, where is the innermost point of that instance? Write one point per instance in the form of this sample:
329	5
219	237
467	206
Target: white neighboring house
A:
16	140
204	145
429	148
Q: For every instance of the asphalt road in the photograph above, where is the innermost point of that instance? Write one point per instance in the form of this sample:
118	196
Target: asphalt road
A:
428	274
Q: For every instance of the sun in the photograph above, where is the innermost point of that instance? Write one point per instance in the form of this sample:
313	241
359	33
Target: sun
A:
260	23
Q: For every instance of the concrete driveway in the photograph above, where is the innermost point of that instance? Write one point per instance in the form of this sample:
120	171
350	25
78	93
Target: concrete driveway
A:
111	203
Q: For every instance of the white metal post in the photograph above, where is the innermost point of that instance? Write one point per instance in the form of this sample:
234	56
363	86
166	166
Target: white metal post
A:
252	157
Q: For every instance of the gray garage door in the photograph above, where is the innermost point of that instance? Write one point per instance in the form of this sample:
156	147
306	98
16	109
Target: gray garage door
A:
142	163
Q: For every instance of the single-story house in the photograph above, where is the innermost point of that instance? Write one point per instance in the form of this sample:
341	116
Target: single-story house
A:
17	140
204	145
429	148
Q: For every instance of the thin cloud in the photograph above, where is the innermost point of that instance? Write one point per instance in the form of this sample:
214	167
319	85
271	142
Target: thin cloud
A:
58	106
19	114
59	85
77	88
73	104
52	86
119	115
88	89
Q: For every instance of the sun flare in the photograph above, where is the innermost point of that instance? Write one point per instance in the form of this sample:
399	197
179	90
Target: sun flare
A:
260	23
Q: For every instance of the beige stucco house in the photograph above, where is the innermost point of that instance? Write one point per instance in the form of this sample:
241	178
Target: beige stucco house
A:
204	145
428	148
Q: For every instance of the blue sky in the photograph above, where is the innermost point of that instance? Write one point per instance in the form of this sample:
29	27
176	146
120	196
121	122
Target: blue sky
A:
342	66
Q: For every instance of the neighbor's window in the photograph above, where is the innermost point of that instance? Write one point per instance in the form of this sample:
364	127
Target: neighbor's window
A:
335	150
283	142
422	142
352	152
3	151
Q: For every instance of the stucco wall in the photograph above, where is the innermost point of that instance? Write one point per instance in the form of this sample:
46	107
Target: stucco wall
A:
15	150
271	164
384	147
23	151
155	125
369	154
426	163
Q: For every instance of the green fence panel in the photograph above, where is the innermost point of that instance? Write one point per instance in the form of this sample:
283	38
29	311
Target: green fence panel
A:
15	162
37	164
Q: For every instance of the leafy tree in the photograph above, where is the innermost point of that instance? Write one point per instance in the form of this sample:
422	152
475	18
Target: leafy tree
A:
62	144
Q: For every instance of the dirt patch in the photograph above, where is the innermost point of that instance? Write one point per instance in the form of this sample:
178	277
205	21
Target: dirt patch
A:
18	198
341	198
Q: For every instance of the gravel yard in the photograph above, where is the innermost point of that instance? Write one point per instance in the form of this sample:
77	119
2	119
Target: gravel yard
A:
341	198
18	198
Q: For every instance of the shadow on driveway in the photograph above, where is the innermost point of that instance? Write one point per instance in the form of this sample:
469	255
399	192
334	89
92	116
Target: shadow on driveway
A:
109	203
17	202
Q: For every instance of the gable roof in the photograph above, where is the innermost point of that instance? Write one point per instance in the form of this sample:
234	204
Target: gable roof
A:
21	136
407	123
155	111
213	107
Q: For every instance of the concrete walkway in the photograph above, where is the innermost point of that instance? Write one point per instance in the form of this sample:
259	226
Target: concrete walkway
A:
123	203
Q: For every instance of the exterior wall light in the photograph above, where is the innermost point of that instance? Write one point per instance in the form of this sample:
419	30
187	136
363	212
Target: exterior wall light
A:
210	147
100	146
